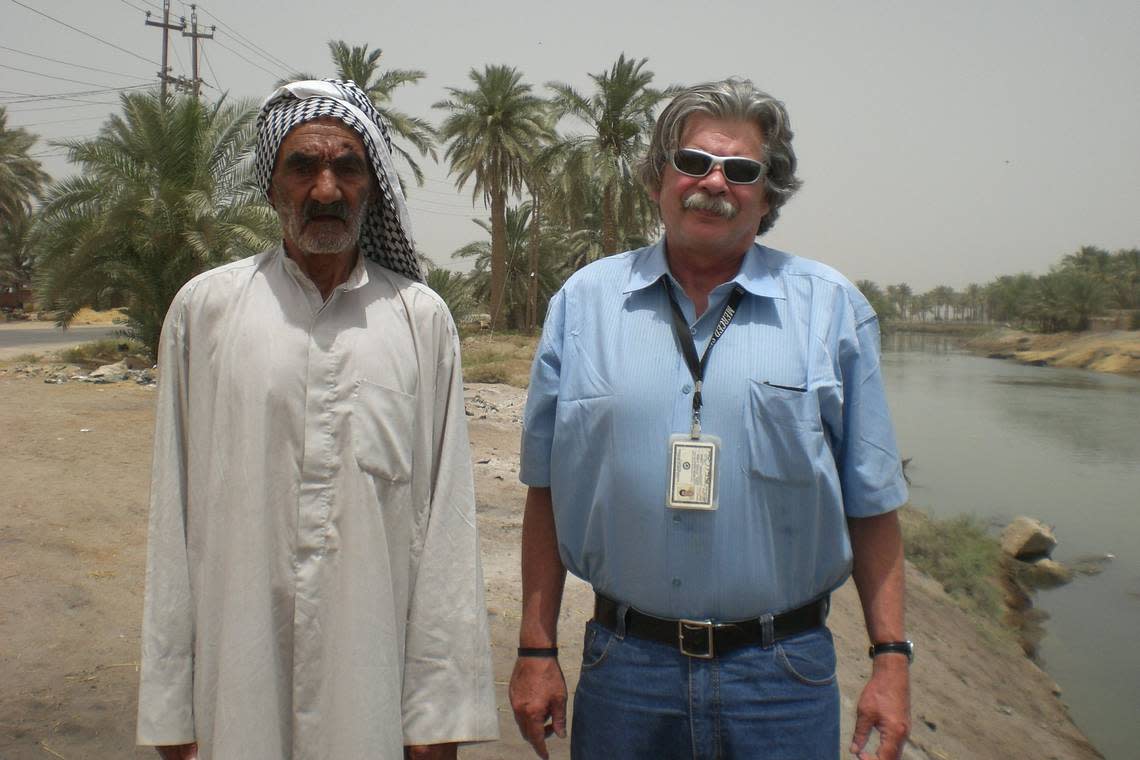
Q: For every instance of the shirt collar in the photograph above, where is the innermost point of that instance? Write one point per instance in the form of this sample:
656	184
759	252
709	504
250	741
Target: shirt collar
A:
357	278
755	276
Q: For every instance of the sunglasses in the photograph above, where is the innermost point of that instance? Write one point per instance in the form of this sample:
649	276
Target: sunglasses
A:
737	169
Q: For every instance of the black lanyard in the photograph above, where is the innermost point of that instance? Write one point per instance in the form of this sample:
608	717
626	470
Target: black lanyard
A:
689	348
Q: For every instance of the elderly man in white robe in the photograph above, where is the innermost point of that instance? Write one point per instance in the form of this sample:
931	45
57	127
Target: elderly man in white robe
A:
313	581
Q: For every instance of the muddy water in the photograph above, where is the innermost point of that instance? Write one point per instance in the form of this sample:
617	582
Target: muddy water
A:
999	439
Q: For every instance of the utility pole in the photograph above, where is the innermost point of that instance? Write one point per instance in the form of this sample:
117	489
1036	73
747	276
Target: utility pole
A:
164	75
194	35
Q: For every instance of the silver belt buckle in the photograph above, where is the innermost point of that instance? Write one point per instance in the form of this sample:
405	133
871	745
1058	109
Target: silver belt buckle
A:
696	625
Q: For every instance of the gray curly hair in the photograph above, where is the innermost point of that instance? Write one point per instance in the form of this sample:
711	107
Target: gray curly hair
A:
732	99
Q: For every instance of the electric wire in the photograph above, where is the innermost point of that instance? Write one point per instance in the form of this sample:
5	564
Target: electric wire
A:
86	34
248	42
76	65
51	76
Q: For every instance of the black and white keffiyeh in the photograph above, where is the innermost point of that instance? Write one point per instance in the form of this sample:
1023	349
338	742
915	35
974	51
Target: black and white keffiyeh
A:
386	234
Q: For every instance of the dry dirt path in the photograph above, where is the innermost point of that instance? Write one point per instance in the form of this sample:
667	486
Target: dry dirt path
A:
74	467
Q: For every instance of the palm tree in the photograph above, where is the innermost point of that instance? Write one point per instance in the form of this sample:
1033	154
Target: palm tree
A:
942	296
362	66
21	178
15	250
455	290
1126	279
548	275
619	116
165	193
901	296
492	131
883	306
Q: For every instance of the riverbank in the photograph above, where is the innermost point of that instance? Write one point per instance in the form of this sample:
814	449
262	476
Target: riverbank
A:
74	464
1117	352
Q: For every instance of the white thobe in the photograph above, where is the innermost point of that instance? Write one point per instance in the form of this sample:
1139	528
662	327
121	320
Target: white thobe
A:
313	581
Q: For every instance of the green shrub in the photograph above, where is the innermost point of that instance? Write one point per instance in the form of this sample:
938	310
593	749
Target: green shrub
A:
959	554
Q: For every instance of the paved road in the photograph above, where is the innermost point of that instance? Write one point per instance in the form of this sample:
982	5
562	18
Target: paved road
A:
21	337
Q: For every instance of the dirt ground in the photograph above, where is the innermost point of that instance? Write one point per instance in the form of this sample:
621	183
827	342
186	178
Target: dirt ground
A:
1117	351
74	470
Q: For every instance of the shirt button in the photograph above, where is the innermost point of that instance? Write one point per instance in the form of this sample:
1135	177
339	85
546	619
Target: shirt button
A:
693	330
676	582
686	388
676	518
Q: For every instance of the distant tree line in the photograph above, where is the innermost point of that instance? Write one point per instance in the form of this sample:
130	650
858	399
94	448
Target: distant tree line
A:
165	191
1088	283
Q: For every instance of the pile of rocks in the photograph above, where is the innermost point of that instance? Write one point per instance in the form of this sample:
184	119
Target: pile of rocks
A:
119	372
1027	545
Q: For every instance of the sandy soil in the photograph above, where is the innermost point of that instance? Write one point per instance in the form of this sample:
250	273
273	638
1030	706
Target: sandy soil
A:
74	462
1117	352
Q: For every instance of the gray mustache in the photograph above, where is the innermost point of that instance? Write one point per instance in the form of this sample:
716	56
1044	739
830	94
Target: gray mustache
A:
705	202
313	209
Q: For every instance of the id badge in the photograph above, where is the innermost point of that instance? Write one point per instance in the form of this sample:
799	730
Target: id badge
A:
693	469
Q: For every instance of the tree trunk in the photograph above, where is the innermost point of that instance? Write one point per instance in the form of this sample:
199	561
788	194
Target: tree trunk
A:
532	282
609	228
498	253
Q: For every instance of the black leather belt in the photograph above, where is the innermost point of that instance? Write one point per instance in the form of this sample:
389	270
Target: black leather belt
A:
706	639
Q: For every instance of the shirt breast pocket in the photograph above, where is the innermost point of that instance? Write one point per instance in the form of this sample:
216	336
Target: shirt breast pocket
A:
785	438
383	431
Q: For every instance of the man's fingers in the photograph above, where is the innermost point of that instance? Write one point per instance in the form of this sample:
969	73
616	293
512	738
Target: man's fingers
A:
863	724
536	735
889	746
558	717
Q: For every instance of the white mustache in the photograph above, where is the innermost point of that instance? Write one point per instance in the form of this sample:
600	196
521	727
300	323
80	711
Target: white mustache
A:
702	201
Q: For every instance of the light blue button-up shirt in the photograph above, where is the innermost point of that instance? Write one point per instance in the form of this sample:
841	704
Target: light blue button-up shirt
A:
793	391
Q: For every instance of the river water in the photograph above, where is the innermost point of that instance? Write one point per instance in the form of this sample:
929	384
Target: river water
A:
999	439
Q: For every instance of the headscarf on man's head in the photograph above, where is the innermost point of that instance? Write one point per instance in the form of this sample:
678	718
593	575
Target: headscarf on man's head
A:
386	233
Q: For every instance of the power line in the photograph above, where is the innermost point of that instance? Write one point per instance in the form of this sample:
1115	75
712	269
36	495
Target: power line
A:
217	85
86	34
63	121
140	10
251	63
249	43
31	98
67	63
83	104
51	76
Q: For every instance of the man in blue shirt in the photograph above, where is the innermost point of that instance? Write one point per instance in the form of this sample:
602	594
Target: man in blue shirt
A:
712	498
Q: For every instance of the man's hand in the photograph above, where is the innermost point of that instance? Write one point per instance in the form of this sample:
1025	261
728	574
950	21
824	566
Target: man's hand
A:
885	706
178	752
538	692
431	751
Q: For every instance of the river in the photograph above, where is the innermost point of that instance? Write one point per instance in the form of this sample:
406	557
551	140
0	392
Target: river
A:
999	439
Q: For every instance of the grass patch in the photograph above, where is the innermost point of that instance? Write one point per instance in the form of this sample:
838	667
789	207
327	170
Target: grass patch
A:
959	554
26	359
100	352
504	357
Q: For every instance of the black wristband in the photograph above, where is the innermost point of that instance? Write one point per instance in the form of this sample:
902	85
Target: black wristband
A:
538	651
897	647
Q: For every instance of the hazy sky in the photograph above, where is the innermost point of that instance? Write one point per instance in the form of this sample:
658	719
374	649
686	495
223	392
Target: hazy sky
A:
940	143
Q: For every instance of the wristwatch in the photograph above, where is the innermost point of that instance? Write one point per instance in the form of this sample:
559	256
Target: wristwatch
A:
901	647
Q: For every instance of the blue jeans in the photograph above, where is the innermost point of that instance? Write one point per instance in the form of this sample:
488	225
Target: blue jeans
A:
642	699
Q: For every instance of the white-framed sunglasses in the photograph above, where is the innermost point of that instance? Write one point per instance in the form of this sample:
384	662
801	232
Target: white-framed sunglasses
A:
737	169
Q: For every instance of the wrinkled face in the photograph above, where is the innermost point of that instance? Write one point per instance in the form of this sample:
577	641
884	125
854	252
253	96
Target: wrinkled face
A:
709	216
321	187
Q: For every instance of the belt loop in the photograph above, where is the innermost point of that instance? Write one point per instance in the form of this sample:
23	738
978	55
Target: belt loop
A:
619	629
767	631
